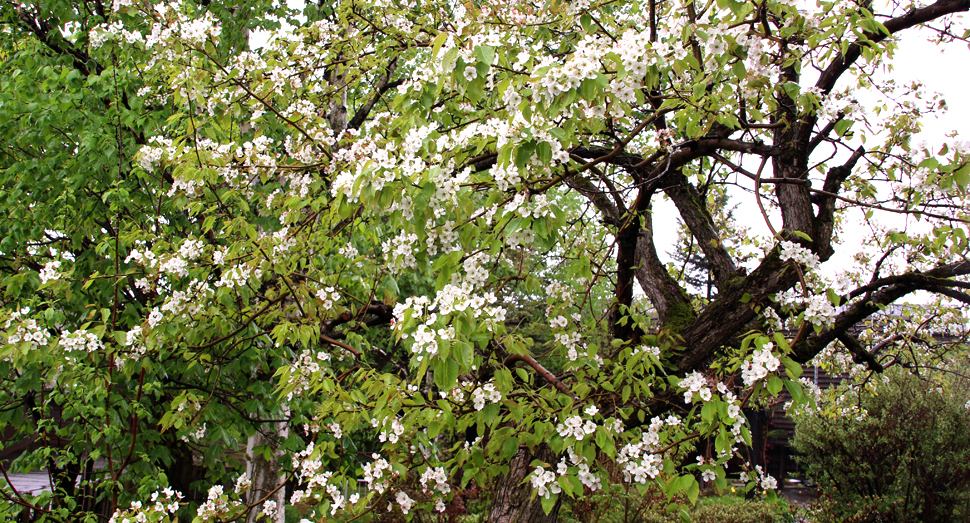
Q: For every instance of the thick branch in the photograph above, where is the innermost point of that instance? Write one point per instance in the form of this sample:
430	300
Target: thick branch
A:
728	315
383	86
42	30
665	294
916	16
891	289
693	209
859	353
912	18
825	218
598	198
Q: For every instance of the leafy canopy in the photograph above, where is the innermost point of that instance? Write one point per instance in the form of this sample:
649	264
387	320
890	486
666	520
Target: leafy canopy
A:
419	237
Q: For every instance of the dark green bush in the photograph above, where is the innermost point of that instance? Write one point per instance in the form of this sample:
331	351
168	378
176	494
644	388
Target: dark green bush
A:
896	450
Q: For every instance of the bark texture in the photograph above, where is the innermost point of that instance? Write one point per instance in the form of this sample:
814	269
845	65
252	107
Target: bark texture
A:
511	502
266	475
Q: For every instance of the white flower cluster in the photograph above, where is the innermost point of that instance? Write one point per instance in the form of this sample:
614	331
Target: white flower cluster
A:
177	26
243	483
217	505
328	296
162	503
641	461
487	393
81	340
269	509
574	427
114	31
766	481
759	365
394	433
585	476
651	350
695	383
456	297
145	258
302	370
426	338
544	481
374	473
133	339
175	265
282	242
238	276
150	156
27	330
571	341
191	249
796	253
440	478
820	311
403	500
316	479
50	272
399	251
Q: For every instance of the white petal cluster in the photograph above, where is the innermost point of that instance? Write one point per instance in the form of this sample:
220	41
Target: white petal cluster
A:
759	365
50	272
80	340
439	477
303	369
404	501
394	433
238	276
575	427
399	251
641	461
162	504
820	311
26	330
328	296
376	474
217	505
796	253
487	393
695	383
544	481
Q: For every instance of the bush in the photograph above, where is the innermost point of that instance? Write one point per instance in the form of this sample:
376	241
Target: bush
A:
896	449
619	503
743	511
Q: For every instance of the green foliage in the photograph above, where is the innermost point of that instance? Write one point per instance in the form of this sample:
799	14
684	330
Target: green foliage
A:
406	245
897	447
618	503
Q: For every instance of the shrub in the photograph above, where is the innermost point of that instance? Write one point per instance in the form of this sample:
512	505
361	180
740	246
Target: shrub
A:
896	449
618	503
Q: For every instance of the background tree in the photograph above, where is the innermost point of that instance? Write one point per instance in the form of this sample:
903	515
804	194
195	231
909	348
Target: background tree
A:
355	209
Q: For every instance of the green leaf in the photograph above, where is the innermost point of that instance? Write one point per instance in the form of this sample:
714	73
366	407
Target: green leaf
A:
792	368
775	385
962	176
485	54
548	503
842	126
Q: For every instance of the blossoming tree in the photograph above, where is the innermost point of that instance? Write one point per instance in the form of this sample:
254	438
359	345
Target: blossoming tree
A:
407	248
